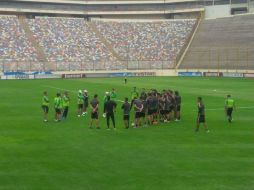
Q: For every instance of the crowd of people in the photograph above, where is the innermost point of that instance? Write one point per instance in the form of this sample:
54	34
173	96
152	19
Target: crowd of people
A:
153	41
149	106
14	44
72	44
69	40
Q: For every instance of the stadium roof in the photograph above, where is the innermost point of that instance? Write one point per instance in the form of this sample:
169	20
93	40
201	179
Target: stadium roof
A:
102	7
106	1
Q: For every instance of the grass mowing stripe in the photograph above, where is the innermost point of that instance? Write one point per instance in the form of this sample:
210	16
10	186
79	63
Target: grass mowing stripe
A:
68	155
210	109
241	107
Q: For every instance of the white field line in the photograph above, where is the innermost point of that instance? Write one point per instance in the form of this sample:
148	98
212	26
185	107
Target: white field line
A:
119	100
53	87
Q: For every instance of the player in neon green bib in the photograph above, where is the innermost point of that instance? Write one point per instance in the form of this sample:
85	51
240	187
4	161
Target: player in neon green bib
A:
45	106
80	103
229	107
106	96
113	94
57	105
61	103
134	94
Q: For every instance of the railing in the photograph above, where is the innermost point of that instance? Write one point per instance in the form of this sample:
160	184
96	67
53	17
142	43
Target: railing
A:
8	65
187	41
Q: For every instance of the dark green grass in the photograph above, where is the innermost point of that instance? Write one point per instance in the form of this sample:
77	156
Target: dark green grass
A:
67	155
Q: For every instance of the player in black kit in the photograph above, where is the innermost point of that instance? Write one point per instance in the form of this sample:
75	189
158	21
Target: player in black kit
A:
126	113
201	115
85	105
109	109
95	111
178	101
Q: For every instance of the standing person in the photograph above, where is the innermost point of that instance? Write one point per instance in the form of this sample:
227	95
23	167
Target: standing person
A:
45	106
105	98
143	94
126	113
155	107
138	107
162	108
61	104
125	80
167	107
149	108
144	110
66	104
85	104
171	100
109	109
178	101
57	105
94	104
173	104
201	115
113	94
134	94
80	103
229	107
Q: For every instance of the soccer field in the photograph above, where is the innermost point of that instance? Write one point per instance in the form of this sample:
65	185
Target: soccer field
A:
68	155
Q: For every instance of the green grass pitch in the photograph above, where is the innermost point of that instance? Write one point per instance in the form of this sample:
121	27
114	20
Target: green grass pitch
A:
67	155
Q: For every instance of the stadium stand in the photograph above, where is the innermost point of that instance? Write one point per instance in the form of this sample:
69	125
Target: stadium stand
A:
225	43
147	41
14	45
71	44
61	43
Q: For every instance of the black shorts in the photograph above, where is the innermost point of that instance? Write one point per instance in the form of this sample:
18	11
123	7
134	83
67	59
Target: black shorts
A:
143	114
178	108
138	115
94	115
162	112
167	111
126	117
170	109
45	109
85	104
229	111
80	106
201	119
149	112
58	110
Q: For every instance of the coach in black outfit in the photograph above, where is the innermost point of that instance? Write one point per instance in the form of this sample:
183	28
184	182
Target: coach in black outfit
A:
109	109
